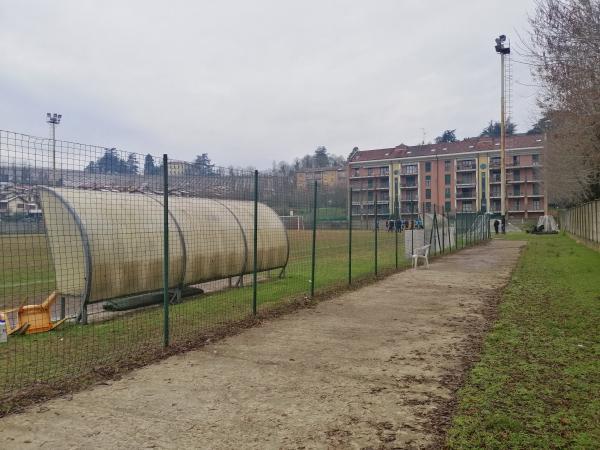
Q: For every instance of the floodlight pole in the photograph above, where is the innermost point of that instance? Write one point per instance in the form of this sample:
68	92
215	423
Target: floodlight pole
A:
53	120
502	50
502	146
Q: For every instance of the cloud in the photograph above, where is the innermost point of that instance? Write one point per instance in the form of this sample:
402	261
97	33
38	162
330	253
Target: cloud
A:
250	82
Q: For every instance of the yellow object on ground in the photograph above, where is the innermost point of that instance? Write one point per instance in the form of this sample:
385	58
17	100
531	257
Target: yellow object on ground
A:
32	318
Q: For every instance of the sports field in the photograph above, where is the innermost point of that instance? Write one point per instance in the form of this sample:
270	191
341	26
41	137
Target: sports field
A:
75	350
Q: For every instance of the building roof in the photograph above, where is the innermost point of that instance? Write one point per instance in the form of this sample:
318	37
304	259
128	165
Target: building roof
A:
467	145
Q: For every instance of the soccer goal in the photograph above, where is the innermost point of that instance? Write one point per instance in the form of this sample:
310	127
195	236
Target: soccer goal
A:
293	222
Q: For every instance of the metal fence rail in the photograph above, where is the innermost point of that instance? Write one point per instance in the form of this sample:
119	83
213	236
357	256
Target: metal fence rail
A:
118	255
583	221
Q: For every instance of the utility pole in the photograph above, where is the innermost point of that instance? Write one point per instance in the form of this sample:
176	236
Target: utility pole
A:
53	120
502	50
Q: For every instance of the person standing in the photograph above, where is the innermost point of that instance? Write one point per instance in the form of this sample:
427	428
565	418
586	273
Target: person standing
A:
496	225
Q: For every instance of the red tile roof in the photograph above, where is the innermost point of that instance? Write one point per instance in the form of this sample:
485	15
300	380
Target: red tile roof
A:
474	145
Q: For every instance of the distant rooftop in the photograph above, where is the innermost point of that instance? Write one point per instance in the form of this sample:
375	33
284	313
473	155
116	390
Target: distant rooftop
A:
476	144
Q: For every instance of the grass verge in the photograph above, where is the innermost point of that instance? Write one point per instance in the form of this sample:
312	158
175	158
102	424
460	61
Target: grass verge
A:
537	382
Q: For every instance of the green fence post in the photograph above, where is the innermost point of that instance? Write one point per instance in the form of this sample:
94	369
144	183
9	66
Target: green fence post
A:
448	218
350	238
443	232
255	248
165	251
376	229
412	229
396	236
314	244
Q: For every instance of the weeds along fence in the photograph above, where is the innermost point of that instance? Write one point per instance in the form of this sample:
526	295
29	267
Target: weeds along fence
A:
583	221
108	257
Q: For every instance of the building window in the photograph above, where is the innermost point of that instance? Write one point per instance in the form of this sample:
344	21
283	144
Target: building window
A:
536	189
535	159
428	167
516	175
447	192
536	205
384	171
467	206
447	179
517	190
515	161
427	181
369	183
447	206
428	207
356	172
428	194
370	196
369	171
517	205
408	170
447	165
495	162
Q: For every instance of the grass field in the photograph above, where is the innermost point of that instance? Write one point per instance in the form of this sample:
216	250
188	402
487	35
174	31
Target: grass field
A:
538	380
74	350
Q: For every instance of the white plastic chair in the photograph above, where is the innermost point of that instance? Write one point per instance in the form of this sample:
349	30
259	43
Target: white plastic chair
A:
422	253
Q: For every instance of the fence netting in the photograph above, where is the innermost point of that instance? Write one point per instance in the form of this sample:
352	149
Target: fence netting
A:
107	256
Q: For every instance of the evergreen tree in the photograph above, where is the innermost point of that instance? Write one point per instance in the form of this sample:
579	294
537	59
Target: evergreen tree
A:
447	136
149	167
493	129
132	164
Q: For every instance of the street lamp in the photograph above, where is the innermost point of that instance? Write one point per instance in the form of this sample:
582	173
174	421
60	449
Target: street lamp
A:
502	50
53	120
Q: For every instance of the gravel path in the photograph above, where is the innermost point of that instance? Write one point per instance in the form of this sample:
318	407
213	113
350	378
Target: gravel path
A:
373	368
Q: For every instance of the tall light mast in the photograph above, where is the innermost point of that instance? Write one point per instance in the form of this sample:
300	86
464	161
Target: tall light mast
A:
53	120
502	50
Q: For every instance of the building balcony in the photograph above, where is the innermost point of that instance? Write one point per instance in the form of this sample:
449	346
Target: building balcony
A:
467	168
462	184
513	195
409	186
359	177
383	187
407	200
466	197
405	173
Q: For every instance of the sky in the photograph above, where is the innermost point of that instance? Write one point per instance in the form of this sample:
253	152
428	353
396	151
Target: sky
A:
250	82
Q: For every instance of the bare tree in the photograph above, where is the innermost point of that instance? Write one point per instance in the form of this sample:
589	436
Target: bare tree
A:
564	50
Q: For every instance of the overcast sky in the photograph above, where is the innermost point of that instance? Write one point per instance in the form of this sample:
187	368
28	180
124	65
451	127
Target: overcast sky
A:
250	82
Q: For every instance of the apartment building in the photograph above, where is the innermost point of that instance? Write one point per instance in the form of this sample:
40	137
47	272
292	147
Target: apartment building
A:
327	177
460	176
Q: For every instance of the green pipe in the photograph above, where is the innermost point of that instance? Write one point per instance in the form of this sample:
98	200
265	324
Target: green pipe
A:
165	252
255	247
314	244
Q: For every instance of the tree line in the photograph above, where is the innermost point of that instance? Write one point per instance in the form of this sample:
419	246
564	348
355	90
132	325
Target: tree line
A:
564	53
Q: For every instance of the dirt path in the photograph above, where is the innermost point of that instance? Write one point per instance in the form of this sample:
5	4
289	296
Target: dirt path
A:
374	368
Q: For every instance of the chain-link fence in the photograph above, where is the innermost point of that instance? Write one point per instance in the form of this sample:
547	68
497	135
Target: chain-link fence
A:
109	257
583	221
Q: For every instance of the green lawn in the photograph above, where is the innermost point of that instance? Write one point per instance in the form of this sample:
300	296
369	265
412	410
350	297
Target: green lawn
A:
537	384
73	350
